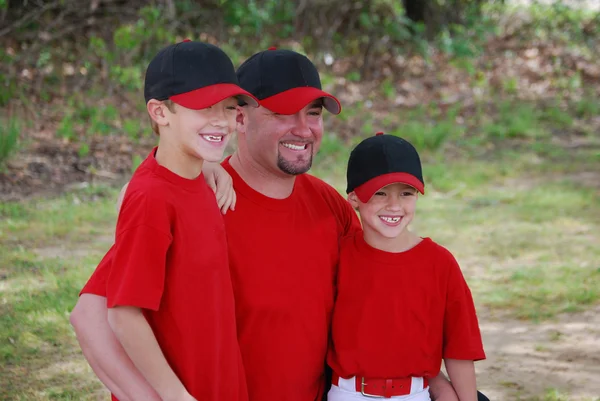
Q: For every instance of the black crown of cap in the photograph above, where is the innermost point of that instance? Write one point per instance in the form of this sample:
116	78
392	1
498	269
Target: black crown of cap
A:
379	155
187	66
270	72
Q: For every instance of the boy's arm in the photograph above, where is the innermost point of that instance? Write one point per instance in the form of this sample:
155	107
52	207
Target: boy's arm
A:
105	354
462	375
441	389
135	335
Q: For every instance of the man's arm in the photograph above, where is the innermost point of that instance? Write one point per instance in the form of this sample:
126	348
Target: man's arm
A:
462	375
105	354
221	183
135	335
440	389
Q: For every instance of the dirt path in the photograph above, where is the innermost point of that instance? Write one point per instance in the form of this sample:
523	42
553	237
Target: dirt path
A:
527	359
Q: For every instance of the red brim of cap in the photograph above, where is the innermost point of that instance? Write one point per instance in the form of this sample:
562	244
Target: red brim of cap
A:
293	100
368	189
208	96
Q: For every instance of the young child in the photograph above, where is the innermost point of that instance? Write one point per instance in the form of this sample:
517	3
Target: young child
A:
170	260
402	303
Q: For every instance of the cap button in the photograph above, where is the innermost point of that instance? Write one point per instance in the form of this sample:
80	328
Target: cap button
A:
272	48
379	133
186	40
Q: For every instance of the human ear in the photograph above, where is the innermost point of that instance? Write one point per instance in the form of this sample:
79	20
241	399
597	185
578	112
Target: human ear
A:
158	112
241	119
353	199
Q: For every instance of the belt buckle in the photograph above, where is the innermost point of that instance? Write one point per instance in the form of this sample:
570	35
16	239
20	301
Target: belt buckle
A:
362	390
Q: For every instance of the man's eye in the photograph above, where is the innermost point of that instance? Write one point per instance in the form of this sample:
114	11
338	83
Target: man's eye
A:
380	193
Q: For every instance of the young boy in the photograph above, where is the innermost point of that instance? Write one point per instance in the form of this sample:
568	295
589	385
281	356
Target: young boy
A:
169	290
402	302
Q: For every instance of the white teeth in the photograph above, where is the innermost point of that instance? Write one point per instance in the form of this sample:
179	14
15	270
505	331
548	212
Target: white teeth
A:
212	138
390	219
294	147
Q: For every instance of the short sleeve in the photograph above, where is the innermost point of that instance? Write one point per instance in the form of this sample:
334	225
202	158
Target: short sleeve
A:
142	242
96	285
462	338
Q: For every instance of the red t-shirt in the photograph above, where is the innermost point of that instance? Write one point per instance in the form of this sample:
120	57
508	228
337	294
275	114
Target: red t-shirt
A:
170	259
398	314
283	258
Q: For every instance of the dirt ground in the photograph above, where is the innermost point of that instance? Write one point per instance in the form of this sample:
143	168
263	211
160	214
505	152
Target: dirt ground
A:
526	359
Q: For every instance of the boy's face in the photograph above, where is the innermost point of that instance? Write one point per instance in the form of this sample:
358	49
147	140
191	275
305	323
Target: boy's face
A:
202	133
388	213
283	143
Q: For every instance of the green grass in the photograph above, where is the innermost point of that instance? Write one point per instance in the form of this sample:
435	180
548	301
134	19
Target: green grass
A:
48	249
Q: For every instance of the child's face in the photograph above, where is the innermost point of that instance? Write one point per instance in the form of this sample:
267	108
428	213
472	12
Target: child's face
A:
203	133
388	213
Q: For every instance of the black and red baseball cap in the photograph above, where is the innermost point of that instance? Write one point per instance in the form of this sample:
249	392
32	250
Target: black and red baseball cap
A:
195	75
284	81
383	160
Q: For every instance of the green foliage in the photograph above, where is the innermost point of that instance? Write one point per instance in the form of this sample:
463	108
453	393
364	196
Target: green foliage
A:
84	150
428	128
9	137
515	120
588	106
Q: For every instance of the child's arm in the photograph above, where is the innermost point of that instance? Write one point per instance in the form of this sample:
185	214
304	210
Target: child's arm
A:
441	389
135	335
462	376
105	354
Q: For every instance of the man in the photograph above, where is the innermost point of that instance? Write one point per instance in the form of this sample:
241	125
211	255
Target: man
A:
283	240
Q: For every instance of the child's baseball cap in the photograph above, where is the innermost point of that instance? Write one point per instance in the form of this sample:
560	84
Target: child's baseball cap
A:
383	160
194	75
284	81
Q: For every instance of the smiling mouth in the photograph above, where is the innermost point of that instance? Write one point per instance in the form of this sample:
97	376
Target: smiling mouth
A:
294	147
213	138
390	220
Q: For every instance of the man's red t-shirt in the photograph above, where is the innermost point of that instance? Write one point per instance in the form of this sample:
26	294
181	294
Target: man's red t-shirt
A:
398	314
170	259
283	257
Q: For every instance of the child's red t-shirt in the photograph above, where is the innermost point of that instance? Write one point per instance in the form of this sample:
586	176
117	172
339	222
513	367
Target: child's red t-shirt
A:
170	259
398	314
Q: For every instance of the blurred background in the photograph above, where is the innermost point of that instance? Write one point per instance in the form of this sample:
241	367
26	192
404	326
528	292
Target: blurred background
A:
500	97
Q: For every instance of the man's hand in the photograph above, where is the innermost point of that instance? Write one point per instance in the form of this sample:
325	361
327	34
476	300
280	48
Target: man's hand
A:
221	183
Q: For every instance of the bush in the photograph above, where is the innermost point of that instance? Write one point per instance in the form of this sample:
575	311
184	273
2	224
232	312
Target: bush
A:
9	134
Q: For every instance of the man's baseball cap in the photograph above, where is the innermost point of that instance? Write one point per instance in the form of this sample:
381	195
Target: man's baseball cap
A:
383	160
194	75
284	81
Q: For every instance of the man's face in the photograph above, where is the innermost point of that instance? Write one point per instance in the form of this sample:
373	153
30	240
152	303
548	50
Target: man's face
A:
284	143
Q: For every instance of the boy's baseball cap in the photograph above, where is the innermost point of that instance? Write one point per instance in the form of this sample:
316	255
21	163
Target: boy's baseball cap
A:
194	75
383	160
284	81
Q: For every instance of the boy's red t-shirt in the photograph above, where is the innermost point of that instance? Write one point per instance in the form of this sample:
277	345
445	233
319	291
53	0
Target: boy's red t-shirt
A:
398	314
283	258
170	259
